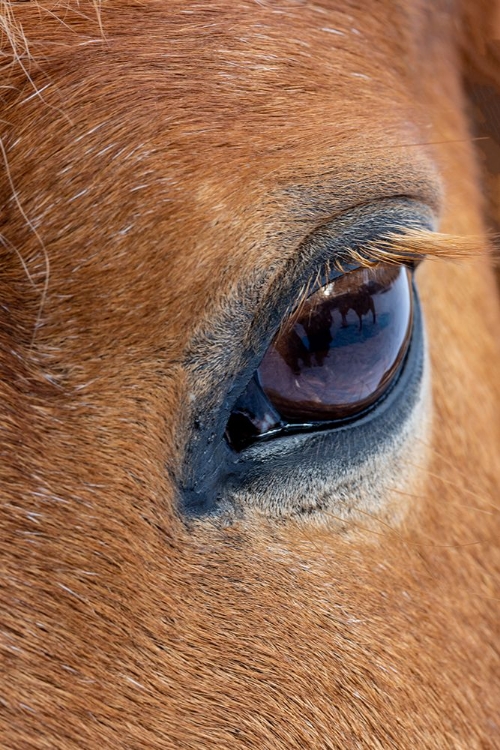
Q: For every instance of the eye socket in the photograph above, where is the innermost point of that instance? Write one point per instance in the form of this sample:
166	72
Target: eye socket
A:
333	359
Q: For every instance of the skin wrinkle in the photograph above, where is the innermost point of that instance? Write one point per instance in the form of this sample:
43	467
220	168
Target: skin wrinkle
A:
247	127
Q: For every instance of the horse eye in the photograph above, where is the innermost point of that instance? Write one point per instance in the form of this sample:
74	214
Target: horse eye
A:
335	358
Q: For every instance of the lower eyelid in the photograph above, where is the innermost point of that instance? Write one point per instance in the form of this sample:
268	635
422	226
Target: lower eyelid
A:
212	470
339	470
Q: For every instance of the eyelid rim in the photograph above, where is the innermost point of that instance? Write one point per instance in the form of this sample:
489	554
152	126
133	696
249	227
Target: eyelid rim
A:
250	333
342	447
328	277
258	464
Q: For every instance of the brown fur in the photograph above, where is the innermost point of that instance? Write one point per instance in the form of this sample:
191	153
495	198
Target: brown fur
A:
155	155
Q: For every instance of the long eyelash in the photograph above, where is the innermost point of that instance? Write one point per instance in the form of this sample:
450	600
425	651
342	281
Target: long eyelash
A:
407	248
412	246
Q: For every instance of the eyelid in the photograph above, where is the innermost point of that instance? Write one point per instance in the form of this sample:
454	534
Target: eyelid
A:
380	251
337	270
235	339
231	348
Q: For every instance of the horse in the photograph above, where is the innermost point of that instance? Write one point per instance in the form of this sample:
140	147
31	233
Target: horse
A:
203	545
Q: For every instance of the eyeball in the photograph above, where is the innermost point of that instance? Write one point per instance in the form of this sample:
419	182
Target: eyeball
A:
341	351
334	358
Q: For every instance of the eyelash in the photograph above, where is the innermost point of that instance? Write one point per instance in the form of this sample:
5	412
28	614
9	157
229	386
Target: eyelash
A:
350	260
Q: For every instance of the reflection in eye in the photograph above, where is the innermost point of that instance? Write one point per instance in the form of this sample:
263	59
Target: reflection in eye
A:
334	358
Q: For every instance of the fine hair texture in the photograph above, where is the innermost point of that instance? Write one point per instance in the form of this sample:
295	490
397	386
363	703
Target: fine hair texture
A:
157	157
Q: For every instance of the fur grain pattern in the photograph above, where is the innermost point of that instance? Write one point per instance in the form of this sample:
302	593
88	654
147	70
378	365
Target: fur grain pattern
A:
155	155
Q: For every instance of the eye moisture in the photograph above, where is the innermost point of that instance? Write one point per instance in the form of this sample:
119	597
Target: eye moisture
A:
335	357
342	350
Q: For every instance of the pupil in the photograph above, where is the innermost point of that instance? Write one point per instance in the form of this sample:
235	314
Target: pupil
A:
340	352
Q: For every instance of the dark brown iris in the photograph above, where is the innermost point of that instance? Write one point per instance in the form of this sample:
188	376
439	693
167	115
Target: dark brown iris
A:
334	358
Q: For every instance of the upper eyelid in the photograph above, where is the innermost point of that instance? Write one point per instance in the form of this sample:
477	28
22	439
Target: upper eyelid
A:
353	260
350	261
408	247
253	312
324	278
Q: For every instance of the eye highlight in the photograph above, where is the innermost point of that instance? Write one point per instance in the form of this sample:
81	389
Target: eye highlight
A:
333	359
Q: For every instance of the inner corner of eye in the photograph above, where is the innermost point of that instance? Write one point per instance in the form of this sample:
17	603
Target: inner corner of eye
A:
331	360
